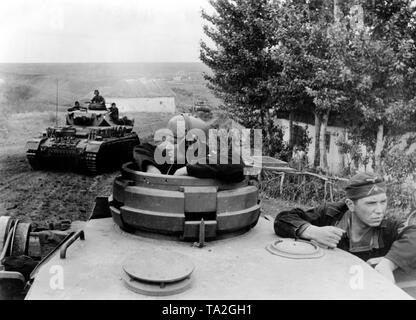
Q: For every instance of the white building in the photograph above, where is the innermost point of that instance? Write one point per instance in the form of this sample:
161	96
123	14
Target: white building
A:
139	95
336	160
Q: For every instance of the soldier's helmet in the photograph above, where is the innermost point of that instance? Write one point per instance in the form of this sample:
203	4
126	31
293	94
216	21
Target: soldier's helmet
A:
181	124
177	140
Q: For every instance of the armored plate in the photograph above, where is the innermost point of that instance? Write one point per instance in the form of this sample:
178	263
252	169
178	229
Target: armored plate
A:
161	266
11	285
13	236
4	230
224	269
174	206
21	239
295	249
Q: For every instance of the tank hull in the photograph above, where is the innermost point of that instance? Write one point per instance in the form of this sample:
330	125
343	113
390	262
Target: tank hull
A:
234	268
84	155
158	213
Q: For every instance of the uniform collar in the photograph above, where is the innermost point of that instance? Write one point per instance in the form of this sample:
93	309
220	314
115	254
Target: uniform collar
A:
371	240
383	224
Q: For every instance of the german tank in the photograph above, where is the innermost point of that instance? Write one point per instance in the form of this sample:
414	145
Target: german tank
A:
90	141
187	238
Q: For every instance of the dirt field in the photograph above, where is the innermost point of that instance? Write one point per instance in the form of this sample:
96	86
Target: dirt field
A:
50	196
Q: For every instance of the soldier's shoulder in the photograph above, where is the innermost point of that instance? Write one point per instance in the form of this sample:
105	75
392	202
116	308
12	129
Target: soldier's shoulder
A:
333	208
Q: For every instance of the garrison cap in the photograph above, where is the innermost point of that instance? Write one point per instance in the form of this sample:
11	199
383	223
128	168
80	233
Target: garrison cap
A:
363	185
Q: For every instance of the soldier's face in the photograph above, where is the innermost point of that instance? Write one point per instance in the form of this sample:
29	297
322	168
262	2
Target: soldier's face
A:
371	210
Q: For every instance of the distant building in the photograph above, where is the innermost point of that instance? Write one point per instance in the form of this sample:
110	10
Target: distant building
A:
139	95
334	132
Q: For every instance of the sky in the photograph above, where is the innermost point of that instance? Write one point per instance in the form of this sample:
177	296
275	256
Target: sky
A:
101	30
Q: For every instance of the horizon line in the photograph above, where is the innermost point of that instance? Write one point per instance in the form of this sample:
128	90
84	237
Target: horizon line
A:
121	62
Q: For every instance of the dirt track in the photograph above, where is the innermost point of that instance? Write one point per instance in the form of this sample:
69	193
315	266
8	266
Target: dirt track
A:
41	196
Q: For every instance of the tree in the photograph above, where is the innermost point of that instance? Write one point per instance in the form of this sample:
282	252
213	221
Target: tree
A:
359	65
292	26
382	59
318	56
241	61
314	76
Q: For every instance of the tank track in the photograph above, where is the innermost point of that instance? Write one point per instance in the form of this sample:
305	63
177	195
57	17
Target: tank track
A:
91	162
33	159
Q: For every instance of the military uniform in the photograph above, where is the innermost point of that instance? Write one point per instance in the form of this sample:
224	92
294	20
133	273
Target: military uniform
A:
76	107
98	100
226	170
144	156
114	114
394	238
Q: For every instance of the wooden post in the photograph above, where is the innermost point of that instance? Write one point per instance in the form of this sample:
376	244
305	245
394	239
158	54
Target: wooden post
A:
281	183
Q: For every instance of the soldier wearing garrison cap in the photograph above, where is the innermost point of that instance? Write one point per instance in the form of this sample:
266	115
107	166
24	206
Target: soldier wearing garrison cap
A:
358	224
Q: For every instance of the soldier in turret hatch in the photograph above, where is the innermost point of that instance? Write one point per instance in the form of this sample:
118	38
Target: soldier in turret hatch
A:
97	102
175	147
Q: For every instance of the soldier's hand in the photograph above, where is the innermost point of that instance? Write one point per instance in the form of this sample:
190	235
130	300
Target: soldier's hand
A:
181	172
374	261
386	268
328	236
152	169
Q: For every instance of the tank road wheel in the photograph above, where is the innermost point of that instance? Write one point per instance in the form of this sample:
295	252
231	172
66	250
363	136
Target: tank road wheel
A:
34	160
107	157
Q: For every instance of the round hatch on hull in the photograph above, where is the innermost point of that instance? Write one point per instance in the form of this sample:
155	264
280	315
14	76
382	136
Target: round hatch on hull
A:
295	249
157	272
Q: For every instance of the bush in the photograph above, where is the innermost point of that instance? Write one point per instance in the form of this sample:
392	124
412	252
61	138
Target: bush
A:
303	189
310	191
277	147
401	170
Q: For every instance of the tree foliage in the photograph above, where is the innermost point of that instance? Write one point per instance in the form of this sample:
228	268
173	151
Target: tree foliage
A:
298	56
241	61
382	59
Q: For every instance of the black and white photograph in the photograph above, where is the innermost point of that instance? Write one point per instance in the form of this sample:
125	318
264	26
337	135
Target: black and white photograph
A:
207	154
